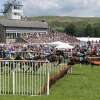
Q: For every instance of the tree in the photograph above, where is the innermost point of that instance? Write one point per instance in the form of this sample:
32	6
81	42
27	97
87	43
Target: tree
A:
88	31
96	31
70	29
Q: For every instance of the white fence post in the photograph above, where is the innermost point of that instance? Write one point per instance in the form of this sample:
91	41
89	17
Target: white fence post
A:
0	78
13	82
48	77
13	79
28	80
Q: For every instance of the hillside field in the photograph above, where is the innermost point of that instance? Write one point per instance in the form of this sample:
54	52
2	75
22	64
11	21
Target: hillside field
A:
58	23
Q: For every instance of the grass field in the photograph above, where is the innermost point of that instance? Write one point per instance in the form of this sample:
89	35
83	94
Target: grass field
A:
83	84
58	23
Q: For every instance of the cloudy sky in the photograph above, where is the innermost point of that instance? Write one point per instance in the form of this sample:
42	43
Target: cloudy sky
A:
88	8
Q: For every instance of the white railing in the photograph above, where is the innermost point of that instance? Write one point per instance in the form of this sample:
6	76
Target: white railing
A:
22	77
26	77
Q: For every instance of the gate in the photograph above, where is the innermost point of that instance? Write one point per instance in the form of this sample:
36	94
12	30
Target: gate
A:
23	77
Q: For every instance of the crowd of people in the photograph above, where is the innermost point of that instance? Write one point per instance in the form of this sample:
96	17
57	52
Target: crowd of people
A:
37	44
50	37
90	49
11	50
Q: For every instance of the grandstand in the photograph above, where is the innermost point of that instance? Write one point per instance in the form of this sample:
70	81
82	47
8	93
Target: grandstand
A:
50	37
15	25
16	28
13	30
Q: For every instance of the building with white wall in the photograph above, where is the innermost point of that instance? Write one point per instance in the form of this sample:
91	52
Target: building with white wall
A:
14	26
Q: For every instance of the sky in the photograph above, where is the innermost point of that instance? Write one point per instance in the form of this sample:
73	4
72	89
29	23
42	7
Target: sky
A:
81	8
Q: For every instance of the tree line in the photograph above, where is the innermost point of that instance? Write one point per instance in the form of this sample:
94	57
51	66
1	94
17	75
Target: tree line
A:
88	30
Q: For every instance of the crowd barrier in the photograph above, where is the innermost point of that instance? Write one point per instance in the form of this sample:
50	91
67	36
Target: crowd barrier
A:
26	77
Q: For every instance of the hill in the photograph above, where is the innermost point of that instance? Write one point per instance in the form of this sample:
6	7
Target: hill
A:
63	20
67	19
59	23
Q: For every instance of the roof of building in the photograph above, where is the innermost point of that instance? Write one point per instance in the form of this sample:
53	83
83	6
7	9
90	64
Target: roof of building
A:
23	23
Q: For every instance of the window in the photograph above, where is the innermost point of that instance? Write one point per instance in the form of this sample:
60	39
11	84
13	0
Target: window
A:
17	7
15	14
10	35
7	35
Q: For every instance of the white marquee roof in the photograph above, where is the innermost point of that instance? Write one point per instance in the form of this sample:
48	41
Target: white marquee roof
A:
86	39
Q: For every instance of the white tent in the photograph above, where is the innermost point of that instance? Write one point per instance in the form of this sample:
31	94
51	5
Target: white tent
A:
64	46
86	39
57	43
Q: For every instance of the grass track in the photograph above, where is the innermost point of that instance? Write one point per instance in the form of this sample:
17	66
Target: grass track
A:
83	84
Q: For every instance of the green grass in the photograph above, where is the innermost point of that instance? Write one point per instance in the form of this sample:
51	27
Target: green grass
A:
83	84
67	19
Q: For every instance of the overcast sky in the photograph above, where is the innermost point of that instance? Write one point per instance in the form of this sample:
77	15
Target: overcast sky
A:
88	8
